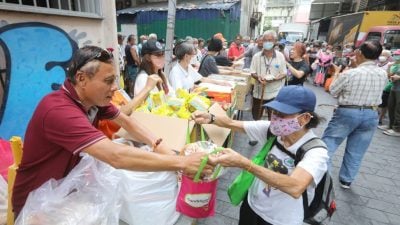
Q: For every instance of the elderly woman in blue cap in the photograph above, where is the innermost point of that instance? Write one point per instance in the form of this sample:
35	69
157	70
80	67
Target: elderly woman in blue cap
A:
275	197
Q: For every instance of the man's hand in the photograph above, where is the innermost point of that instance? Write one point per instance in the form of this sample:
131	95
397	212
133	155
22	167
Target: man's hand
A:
152	81
201	117
261	80
192	165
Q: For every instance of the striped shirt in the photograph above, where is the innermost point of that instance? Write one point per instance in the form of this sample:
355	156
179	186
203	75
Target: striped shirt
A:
361	86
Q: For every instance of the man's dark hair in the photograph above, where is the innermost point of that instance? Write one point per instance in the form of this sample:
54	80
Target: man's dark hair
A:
85	55
371	49
215	45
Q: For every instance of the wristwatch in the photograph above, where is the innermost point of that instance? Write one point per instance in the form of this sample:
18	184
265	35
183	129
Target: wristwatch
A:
212	119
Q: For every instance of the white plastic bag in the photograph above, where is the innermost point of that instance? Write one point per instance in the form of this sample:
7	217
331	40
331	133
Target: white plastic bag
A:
88	195
149	197
3	201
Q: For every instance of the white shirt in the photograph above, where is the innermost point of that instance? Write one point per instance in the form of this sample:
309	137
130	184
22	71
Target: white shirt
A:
197	58
180	78
271	204
140	83
268	68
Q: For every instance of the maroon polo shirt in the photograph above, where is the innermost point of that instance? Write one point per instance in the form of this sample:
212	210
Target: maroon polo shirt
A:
58	130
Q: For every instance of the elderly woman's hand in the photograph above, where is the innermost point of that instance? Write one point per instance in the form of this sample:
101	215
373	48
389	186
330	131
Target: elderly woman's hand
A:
230	158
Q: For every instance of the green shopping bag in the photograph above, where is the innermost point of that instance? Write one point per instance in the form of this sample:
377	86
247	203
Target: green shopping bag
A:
239	187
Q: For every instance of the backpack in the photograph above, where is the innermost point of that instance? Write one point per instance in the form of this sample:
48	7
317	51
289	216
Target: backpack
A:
323	205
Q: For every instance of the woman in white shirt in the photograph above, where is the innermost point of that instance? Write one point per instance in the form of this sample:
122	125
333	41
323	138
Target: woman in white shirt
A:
276	195
183	75
153	61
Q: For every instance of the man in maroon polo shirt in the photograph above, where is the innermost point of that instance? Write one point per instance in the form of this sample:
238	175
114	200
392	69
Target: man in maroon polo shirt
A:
64	124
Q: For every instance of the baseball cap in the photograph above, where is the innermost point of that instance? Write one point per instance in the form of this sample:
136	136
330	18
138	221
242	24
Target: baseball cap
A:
220	37
151	47
397	52
293	99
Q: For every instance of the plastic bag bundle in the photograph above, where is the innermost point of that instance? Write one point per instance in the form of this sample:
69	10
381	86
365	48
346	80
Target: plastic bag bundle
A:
87	195
3	201
181	106
207	147
197	197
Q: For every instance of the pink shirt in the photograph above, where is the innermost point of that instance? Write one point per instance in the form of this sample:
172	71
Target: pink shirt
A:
58	130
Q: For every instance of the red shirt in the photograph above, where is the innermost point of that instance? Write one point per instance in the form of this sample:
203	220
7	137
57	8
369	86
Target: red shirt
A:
58	130
235	51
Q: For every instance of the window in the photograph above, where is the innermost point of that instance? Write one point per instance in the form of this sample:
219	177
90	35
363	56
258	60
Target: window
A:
373	36
84	8
393	37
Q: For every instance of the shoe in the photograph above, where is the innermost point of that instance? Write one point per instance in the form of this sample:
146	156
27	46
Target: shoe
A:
345	185
383	127
253	143
392	133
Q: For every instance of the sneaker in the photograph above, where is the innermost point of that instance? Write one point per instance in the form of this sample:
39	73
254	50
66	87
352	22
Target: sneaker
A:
253	143
392	133
383	127
345	185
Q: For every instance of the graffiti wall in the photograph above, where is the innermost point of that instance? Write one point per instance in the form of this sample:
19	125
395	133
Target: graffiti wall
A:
34	57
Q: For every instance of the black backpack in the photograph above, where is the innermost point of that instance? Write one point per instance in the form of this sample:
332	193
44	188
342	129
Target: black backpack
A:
323	205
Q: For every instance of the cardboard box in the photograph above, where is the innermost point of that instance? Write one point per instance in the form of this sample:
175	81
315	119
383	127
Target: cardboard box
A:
173	130
217	93
242	87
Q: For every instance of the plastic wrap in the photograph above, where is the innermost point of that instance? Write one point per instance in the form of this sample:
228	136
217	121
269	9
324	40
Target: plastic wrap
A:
87	195
3	201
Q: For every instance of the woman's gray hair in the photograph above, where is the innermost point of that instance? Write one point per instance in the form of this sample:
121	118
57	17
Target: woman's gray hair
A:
270	33
184	48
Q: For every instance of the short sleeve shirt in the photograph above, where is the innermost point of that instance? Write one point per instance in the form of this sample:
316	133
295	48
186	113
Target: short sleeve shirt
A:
140	84
180	78
301	66
208	66
59	129
271	204
269	68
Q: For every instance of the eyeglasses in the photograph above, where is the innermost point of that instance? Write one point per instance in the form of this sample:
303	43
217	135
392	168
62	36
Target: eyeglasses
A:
102	56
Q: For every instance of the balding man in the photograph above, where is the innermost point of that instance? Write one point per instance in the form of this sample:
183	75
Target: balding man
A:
359	93
268	67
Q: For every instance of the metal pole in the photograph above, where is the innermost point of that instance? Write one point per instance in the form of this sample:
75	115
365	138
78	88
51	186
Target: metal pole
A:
170	36
260	112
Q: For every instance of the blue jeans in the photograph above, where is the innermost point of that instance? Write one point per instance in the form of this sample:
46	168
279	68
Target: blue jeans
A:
358	126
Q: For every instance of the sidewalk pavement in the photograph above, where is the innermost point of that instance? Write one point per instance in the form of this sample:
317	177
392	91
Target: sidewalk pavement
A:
374	197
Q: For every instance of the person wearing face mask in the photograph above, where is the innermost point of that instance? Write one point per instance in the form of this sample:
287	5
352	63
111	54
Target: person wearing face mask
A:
268	68
153	61
383	62
394	97
183	75
275	196
358	91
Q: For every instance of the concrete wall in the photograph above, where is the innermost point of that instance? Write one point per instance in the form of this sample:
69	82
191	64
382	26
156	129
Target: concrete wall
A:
37	49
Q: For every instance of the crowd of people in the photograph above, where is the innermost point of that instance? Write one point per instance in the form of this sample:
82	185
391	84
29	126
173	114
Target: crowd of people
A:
65	122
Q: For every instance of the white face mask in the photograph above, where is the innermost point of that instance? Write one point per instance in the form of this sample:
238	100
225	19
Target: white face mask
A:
196	45
382	59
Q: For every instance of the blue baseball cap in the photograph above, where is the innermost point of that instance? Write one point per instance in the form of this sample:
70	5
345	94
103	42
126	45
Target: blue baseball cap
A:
293	99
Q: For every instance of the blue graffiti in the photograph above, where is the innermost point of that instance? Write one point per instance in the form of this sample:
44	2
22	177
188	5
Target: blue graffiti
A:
37	55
